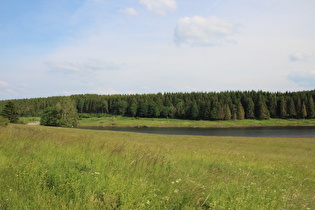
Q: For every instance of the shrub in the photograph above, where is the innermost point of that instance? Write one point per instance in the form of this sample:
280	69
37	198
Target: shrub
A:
3	121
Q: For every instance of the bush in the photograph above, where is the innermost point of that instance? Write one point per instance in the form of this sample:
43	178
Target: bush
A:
64	114
3	121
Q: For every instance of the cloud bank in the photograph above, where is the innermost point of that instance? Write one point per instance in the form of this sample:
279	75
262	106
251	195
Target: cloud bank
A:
202	31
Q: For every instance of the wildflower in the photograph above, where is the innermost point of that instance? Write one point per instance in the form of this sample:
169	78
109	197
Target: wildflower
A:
97	173
148	202
173	182
176	191
165	198
178	180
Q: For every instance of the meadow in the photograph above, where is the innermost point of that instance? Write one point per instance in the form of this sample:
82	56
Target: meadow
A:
61	168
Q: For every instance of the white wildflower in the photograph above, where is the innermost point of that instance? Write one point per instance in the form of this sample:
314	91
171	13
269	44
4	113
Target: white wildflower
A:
176	191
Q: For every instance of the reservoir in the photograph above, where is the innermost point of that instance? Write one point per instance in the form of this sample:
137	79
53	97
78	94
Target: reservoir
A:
271	132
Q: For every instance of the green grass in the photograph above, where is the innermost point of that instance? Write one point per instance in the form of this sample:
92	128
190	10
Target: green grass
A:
59	168
116	120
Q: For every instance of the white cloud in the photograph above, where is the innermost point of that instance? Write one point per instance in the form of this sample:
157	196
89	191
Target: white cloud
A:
159	7
300	56
91	65
129	11
3	84
201	31
304	79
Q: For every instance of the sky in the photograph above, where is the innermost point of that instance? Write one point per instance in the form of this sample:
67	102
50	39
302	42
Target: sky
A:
66	47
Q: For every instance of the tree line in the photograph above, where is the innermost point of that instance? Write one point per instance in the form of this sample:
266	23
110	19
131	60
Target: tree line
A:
196	105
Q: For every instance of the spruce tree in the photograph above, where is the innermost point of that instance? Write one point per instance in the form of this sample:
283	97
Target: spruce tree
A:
283	108
310	108
227	112
250	108
272	104
9	112
240	113
303	111
291	108
262	110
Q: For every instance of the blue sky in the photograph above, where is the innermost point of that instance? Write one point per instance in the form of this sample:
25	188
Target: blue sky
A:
65	47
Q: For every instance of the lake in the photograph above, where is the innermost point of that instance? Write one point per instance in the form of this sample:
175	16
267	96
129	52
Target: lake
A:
272	132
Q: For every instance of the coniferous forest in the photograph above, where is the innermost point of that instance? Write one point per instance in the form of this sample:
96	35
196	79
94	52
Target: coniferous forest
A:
196	105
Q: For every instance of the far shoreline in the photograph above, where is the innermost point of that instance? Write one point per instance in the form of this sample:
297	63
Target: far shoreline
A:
201	127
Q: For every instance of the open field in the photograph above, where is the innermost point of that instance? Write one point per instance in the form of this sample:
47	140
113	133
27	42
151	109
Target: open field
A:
116	120
58	168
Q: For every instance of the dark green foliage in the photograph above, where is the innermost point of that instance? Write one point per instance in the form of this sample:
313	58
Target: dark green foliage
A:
291	111
122	107
283	107
262	110
272	105
204	106
250	108
194	111
310	108
153	110
143	110
132	110
9	112
50	117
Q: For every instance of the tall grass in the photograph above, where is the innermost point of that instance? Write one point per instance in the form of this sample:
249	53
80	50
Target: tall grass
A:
58	168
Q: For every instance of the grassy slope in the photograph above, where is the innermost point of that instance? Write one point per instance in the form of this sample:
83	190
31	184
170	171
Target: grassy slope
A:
129	121
44	167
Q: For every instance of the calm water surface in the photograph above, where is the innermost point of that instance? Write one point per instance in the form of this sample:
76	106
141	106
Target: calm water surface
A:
273	132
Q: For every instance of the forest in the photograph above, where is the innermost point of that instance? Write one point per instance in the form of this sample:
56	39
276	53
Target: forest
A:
226	105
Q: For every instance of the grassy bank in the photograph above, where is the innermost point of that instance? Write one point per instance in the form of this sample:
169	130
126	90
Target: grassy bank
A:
58	168
116	120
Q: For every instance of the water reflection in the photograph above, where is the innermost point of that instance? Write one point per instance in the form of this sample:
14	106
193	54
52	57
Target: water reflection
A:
274	132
